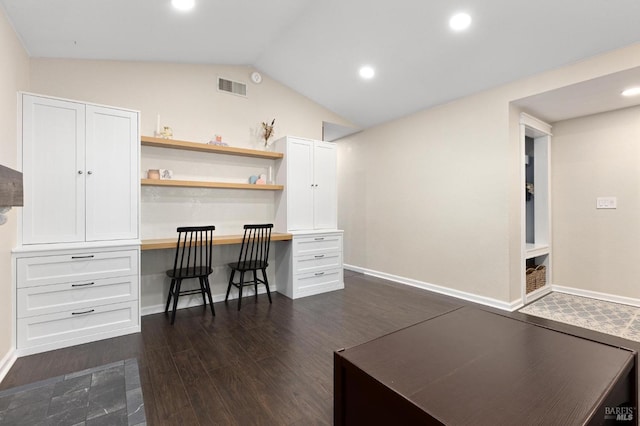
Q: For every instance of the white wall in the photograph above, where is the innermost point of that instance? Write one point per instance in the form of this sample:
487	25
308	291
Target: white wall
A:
14	76
187	99
435	196
595	156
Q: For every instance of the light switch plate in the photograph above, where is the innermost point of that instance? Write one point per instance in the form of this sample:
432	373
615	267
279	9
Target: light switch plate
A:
606	203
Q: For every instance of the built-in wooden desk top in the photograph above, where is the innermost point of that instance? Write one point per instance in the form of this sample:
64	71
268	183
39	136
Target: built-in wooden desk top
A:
218	240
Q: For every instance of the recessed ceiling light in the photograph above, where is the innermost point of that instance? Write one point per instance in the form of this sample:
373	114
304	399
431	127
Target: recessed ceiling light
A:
460	21
183	5
367	72
634	91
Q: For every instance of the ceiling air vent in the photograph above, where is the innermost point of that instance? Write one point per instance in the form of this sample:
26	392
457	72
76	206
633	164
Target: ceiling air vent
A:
234	87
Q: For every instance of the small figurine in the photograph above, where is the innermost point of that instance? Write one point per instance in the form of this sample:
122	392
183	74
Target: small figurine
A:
217	141
167	133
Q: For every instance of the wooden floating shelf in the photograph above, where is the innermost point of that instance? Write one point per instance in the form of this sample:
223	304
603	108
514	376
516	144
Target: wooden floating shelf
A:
203	147
170	243
203	184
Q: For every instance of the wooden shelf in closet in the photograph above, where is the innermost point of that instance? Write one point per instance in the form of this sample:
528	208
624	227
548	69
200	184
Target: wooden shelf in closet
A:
203	147
204	184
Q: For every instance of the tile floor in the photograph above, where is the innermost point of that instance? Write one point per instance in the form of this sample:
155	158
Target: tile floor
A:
106	395
605	317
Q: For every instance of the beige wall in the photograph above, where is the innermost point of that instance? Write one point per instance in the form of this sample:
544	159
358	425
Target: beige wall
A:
435	196
597	156
186	97
14	76
424	197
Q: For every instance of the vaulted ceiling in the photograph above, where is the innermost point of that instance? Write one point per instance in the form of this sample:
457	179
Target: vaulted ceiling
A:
317	47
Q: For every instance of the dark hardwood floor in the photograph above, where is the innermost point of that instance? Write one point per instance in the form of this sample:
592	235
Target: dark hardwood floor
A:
267	364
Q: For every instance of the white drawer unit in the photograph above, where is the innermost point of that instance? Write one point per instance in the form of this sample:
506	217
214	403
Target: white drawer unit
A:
318	282
77	295
55	269
318	262
312	266
69	297
51	329
313	244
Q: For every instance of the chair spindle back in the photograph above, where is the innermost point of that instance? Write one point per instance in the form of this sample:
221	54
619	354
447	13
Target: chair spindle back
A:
255	244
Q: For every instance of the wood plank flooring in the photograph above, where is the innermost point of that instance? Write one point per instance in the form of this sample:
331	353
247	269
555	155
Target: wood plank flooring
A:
267	364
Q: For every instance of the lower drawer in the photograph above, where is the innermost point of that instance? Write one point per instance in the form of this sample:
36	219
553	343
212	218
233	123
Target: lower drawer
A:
54	298
54	328
317	282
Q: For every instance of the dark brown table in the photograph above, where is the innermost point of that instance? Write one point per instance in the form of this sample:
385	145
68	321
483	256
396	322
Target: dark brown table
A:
473	367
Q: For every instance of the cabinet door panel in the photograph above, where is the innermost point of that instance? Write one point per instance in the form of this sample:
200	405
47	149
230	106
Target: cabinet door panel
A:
53	166
299	185
325	177
112	174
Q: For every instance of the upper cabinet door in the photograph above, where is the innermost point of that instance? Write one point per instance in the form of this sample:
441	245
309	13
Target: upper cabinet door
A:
53	143
300	184
112	178
325	186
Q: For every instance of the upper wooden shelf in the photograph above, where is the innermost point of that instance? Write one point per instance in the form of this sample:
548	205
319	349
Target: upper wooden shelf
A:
203	147
205	184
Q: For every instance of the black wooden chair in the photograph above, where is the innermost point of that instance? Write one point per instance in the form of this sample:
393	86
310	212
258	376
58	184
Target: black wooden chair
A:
254	255
193	260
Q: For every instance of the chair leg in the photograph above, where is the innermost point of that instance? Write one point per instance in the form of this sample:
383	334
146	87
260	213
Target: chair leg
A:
233	272
173	284
208	288
266	283
240	288
202	290
175	300
255	283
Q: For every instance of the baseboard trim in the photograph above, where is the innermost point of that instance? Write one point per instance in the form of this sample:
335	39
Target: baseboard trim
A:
194	300
597	295
470	297
7	362
538	294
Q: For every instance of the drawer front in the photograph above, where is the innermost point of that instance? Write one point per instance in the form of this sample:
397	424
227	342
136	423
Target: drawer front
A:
53	298
317	262
320	243
43	270
318	282
53	328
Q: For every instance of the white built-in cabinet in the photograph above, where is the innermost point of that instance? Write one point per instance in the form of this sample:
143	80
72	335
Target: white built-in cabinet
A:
80	166
77	262
307	208
535	139
309	175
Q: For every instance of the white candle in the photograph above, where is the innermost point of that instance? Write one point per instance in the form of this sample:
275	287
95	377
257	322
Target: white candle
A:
158	125
271	174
